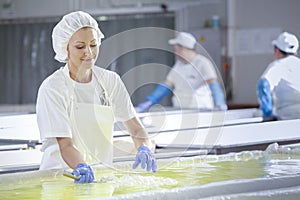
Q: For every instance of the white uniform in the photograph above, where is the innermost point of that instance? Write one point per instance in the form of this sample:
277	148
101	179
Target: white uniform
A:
190	88
283	76
55	116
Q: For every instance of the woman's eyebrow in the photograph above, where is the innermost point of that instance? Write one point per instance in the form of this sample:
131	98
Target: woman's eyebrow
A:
78	41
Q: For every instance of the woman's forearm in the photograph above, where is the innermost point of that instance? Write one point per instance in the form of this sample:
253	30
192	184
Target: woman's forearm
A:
69	153
137	132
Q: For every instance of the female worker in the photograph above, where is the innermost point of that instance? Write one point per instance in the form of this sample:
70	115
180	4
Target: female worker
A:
77	104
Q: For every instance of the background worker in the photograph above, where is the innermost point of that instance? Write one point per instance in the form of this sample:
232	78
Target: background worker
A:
78	104
278	89
192	79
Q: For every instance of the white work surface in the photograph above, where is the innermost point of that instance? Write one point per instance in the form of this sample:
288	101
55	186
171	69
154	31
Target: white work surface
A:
19	127
246	134
171	129
182	120
20	159
24	127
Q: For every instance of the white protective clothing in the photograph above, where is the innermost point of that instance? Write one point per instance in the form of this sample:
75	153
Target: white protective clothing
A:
64	30
283	76
71	112
190	87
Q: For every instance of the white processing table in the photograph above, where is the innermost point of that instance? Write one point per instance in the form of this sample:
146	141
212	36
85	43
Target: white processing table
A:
175	133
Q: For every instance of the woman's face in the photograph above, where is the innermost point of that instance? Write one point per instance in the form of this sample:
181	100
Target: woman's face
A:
83	48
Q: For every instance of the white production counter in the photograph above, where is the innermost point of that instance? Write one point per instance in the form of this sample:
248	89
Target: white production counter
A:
175	133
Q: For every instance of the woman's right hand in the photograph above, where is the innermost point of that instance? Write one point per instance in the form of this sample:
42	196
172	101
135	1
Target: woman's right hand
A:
84	172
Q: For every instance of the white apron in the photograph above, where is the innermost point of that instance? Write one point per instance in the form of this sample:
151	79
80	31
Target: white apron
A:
92	127
200	98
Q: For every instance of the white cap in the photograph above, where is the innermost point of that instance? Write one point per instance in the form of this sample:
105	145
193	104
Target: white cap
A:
287	42
184	39
67	26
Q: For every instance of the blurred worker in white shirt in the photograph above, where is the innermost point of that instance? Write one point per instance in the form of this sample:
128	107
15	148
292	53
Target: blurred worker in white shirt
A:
193	80
278	89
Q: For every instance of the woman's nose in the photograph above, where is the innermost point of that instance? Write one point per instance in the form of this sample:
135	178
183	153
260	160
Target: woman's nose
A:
88	50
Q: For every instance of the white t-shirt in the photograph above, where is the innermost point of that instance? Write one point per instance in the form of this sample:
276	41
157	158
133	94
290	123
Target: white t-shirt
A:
283	76
189	80
53	102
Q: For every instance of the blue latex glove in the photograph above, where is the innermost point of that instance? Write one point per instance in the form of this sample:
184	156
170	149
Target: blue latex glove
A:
218	96
264	97
159	93
145	157
142	107
85	173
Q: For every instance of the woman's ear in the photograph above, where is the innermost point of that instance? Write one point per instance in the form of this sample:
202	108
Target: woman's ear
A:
68	51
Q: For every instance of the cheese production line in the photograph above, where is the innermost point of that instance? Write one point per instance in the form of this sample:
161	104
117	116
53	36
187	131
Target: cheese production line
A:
174	132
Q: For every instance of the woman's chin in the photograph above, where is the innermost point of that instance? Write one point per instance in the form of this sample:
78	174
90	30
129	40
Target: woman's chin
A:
87	64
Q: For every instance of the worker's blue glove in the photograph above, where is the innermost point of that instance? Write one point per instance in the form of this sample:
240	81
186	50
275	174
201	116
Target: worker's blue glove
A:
145	157
142	107
85	173
218	96
264	97
159	93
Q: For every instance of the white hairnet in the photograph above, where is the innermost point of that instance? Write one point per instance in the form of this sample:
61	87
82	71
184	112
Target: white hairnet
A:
66	27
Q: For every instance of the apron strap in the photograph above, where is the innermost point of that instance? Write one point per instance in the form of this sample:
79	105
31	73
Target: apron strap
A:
103	96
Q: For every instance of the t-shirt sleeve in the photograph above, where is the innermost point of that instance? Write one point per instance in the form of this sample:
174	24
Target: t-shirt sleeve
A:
52	114
122	105
272	74
206	68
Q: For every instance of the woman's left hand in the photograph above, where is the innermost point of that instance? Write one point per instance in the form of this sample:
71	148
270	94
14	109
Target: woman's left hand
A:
145	157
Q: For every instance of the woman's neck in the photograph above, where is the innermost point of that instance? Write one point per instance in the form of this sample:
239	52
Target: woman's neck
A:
80	75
